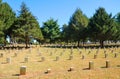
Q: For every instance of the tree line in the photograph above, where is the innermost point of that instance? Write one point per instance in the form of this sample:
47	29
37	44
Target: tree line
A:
99	28
24	27
19	29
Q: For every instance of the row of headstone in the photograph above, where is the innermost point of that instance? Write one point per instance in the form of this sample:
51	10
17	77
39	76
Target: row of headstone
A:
91	67
57	58
26	59
115	55
8	60
90	50
23	70
1	55
91	64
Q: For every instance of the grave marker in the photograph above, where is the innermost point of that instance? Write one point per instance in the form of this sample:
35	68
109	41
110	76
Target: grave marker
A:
8	60
42	58
48	71
71	69
23	70
115	55
70	57
26	59
91	65
15	54
95	56
107	64
106	55
57	58
1	55
83	57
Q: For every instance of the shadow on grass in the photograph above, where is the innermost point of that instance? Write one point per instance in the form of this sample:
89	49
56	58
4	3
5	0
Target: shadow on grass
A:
103	67
4	63
86	69
69	59
55	60
15	74
118	65
22	62
40	61
46	72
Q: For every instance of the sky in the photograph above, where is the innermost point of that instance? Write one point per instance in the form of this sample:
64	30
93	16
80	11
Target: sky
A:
62	10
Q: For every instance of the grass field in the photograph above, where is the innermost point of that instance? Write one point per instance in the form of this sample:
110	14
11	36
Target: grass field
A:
36	68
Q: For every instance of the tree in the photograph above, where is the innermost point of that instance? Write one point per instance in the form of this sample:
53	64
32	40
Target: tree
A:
50	30
117	20
26	26
7	17
102	26
1	32
78	23
65	33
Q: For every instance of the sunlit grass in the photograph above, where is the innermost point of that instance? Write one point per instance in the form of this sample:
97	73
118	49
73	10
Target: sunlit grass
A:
59	69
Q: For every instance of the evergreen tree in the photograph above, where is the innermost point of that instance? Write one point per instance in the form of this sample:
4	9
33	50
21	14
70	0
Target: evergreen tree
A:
78	23
102	26
65	33
50	30
7	17
117	20
1	32
26	26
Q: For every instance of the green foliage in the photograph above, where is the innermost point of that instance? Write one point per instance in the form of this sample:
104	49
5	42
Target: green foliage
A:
26	26
1	33
50	30
2	40
102	26
7	17
65	33
78	23
0	1
117	20
1	29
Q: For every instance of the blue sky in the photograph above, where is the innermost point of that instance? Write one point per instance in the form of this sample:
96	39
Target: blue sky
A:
62	10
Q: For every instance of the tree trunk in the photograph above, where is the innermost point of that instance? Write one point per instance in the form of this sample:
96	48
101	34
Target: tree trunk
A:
26	42
83	42
78	43
5	40
101	43
67	42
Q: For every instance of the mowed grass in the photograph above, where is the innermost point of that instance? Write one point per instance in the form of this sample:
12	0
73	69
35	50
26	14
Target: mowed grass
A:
59	69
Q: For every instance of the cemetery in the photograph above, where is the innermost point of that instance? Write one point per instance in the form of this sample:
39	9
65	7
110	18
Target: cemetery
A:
45	39
37	63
